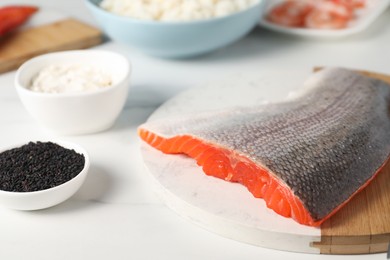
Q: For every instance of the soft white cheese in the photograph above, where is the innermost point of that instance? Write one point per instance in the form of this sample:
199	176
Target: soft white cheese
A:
70	78
175	10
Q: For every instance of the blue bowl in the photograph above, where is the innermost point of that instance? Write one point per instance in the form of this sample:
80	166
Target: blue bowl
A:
177	39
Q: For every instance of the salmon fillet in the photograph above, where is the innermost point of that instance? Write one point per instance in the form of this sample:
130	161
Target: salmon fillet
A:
305	157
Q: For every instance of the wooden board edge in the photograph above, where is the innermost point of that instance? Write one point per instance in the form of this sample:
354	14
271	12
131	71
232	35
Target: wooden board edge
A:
353	244
367	73
95	39
17	62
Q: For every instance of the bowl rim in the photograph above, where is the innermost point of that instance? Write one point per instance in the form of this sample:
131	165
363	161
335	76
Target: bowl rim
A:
96	7
58	56
65	144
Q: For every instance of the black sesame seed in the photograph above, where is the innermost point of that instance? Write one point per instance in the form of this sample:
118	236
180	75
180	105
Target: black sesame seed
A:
38	166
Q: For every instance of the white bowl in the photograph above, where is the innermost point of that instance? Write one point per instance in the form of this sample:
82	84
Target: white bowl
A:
46	198
76	113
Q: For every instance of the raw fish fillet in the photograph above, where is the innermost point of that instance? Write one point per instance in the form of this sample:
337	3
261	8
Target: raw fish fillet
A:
305	157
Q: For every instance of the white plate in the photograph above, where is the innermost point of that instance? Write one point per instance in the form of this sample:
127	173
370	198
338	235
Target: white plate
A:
228	209
365	17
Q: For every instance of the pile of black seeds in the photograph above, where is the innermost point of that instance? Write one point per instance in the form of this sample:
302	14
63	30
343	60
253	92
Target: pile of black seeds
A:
38	166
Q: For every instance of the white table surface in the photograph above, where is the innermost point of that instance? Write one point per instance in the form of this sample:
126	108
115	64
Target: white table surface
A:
116	214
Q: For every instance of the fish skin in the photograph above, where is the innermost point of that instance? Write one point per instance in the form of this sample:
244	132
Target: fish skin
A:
324	145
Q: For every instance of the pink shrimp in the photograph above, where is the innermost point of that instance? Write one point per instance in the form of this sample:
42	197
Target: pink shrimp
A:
291	13
328	15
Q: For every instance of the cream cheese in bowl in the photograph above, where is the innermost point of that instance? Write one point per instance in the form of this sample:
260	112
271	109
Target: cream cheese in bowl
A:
70	78
75	92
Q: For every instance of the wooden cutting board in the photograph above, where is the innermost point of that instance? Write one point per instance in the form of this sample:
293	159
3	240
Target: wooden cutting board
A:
67	34
361	227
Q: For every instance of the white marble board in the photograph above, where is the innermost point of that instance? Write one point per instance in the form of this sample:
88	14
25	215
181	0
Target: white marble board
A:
219	206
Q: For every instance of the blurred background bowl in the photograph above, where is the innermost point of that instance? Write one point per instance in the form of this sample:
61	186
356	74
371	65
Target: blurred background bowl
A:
176	39
76	113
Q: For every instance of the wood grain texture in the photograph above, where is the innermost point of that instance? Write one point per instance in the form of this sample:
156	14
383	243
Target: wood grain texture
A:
362	226
67	34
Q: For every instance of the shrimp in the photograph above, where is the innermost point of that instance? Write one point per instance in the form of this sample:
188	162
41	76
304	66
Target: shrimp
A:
291	13
328	15
351	3
315	14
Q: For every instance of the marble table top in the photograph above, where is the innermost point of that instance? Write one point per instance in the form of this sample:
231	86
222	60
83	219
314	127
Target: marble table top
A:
116	214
